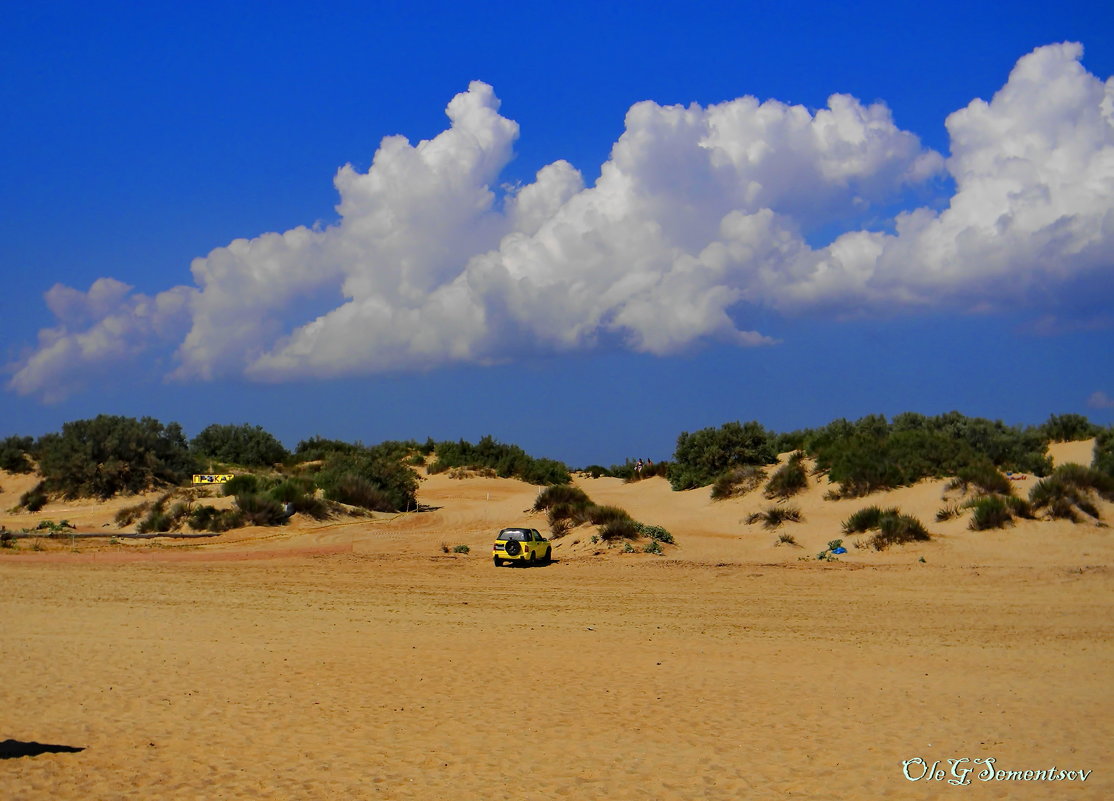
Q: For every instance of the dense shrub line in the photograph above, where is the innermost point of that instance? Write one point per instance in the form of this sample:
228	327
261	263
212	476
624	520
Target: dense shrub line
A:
508	461
873	453
109	454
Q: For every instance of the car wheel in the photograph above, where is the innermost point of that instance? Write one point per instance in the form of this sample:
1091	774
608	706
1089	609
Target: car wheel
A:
548	557
533	558
513	548
498	561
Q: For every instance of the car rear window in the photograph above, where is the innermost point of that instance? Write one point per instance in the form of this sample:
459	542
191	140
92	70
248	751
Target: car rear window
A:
514	534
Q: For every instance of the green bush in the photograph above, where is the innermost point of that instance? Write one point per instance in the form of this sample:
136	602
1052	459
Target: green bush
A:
461	549
35	498
559	524
789	479
290	490
1068	428
892	527
866	518
369	480
737	481
244	484
700	457
989	511
15	454
239	444
603	515
356	490
260	510
561	495
129	514
948	512
299	493
109	455
1103	460
898	529
656	533
209	518
565	506
1019	507
156	521
1070	490
317	448
984	476
1086	478
619	529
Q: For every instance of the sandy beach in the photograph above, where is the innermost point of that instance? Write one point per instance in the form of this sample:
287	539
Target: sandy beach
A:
354	658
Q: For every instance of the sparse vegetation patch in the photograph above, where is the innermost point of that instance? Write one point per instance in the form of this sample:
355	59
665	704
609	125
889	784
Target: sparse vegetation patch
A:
569	506
891	527
774	516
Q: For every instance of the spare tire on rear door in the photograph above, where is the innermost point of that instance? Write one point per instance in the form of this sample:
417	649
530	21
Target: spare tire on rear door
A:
513	548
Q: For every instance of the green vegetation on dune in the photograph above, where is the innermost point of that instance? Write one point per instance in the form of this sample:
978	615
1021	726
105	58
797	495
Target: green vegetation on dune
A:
873	454
890	527
1103	459
737	481
568	506
369	479
1068	428
1071	489
244	444
702	456
868	455
109	454
15	454
789	479
508	461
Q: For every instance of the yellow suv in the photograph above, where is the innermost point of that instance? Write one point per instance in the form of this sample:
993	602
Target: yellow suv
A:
523	545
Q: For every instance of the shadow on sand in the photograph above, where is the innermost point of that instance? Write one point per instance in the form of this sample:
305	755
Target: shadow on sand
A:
14	749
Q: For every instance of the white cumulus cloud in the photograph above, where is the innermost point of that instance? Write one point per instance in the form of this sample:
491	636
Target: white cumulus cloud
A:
699	214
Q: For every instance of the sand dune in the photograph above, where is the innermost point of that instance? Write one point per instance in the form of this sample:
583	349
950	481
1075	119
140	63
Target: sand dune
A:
354	659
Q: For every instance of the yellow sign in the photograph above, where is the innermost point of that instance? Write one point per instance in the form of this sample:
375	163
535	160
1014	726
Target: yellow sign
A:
223	478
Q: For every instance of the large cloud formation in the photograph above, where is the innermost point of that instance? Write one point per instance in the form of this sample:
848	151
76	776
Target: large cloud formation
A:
699	215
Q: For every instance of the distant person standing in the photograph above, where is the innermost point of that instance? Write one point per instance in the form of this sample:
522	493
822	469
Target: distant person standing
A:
638	468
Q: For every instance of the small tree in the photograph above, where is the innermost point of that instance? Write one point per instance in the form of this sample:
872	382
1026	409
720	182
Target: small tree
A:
111	454
239	444
702	456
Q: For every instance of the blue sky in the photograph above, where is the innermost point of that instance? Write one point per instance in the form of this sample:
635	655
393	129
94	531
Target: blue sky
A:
752	249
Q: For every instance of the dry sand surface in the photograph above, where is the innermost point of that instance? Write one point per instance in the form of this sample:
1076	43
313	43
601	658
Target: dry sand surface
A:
354	659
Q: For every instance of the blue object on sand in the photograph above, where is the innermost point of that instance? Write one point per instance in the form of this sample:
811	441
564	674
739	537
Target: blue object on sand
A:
840	549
